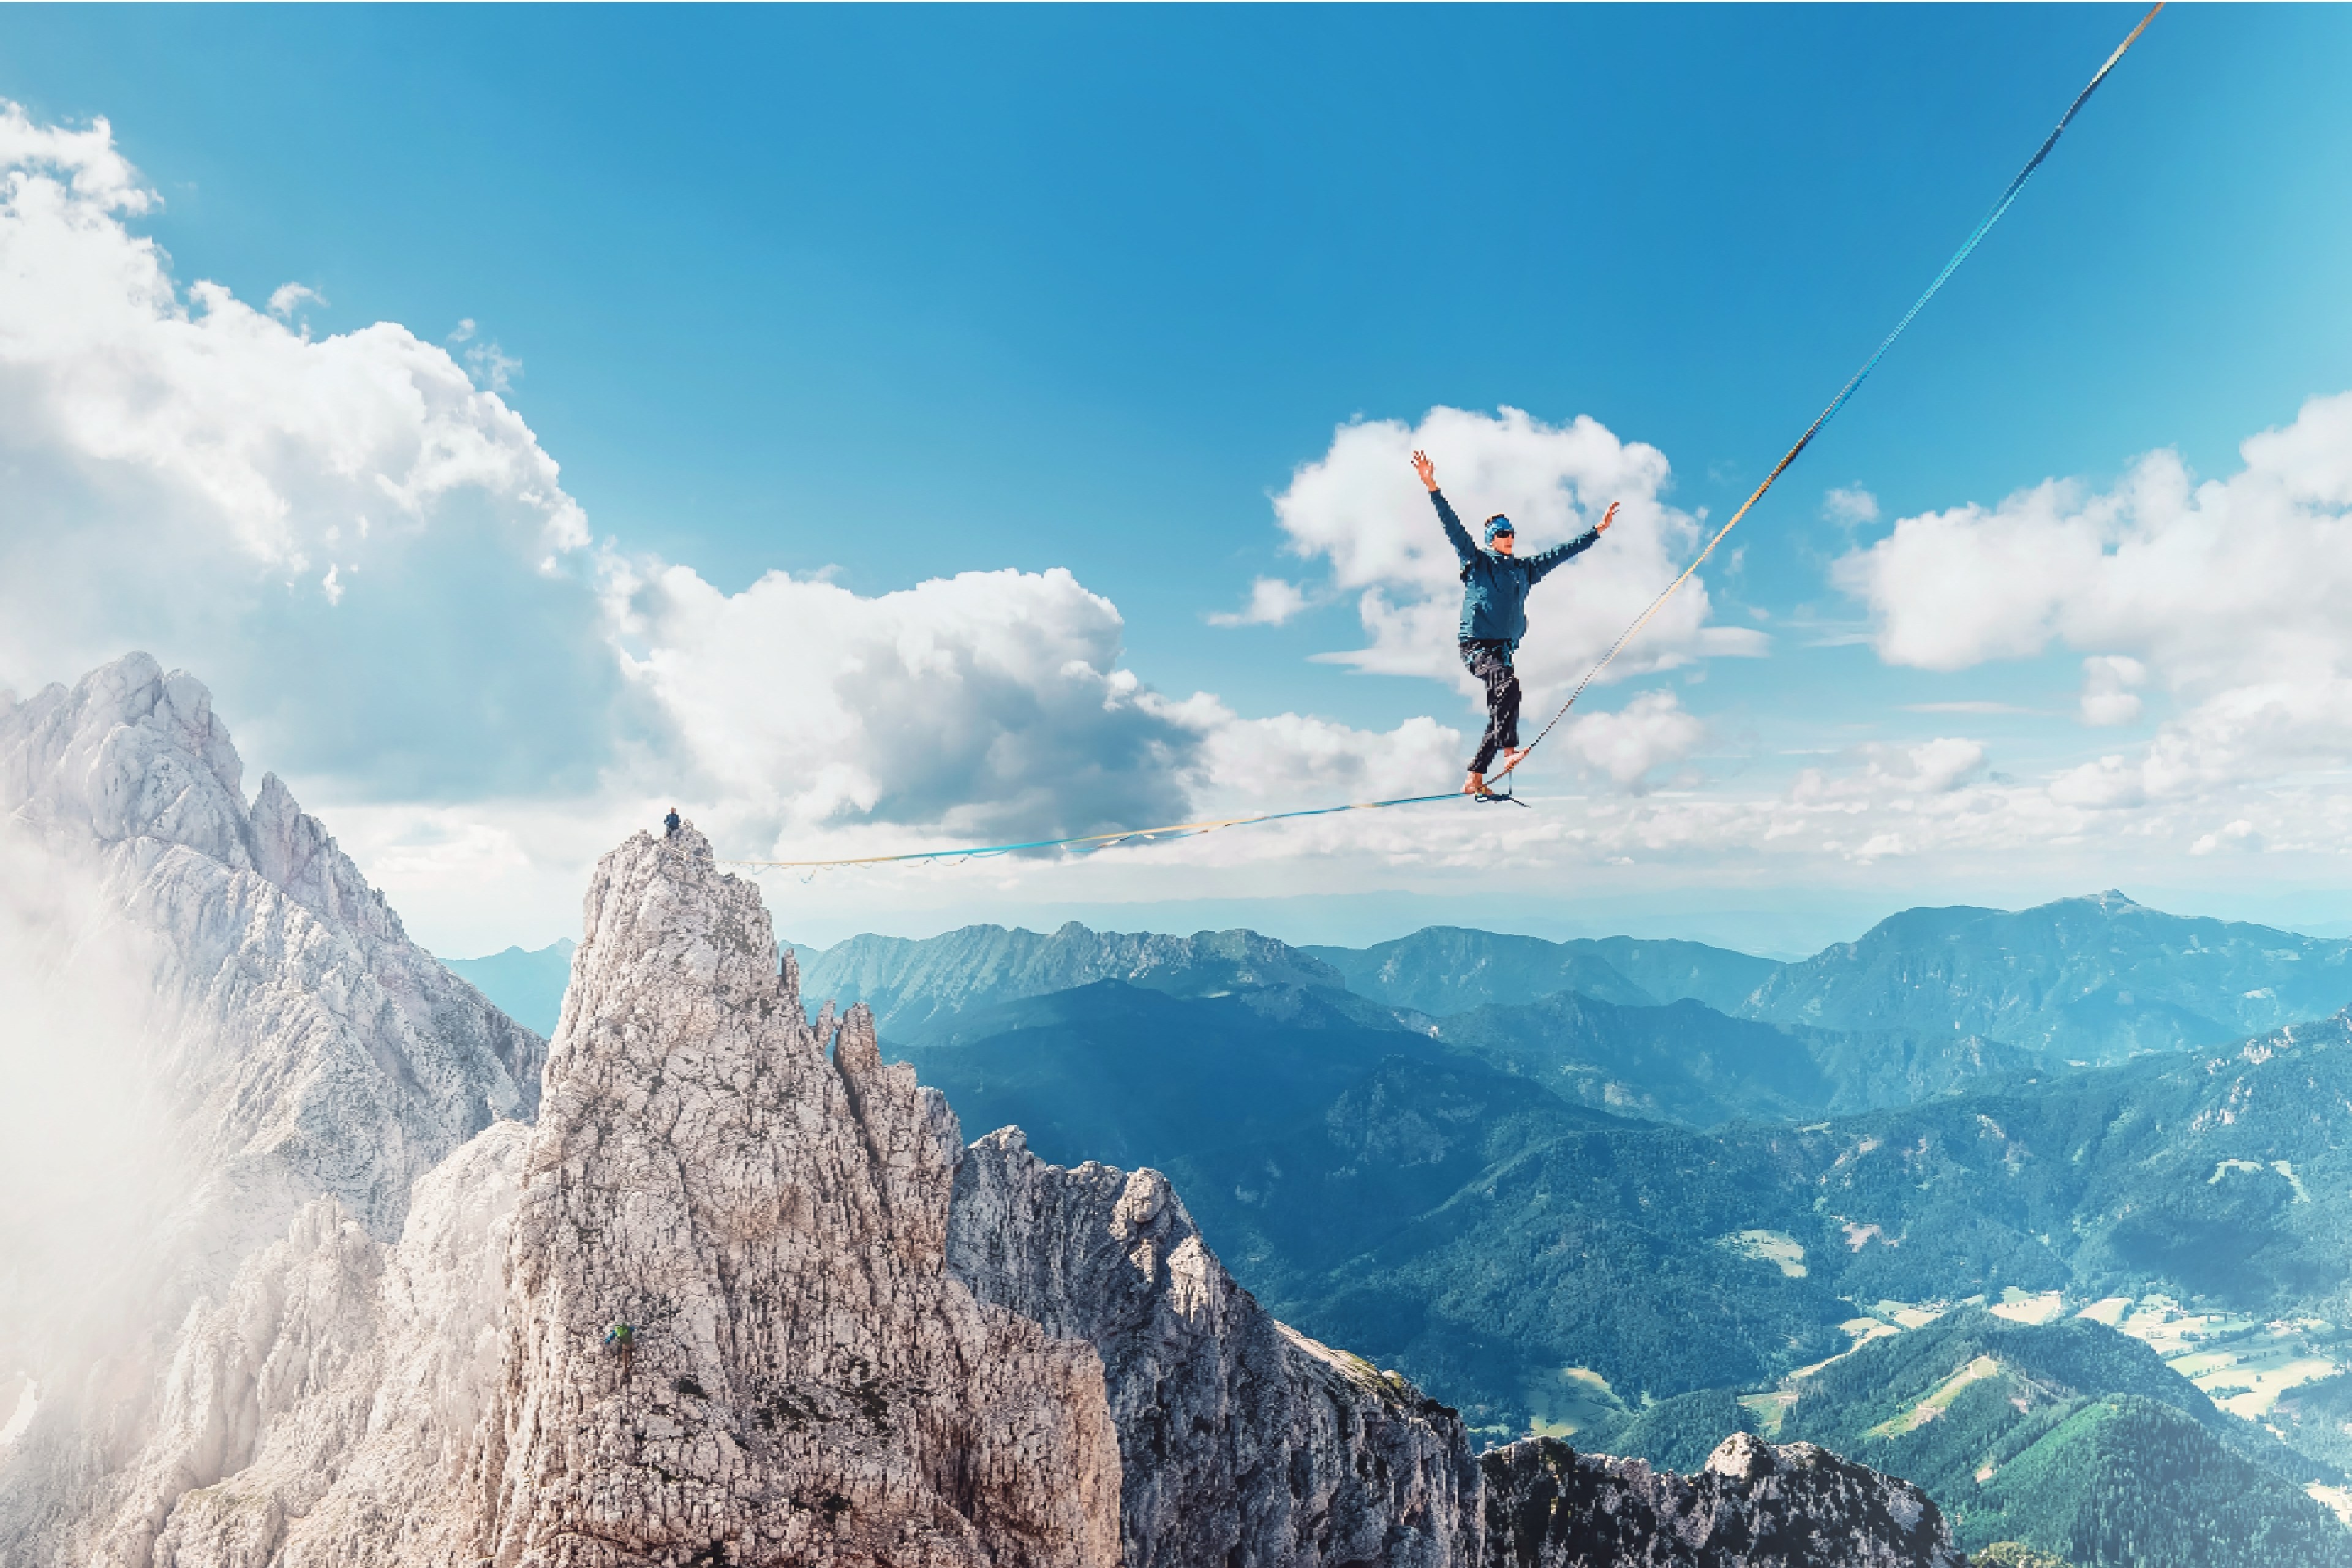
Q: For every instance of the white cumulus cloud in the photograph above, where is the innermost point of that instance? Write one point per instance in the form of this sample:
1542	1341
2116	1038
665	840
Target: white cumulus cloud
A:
1651	732
2229	593
1360	510
979	706
277	448
187	473
988	703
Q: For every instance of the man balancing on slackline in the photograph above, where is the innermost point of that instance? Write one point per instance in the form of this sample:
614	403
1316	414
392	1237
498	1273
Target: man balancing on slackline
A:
1495	584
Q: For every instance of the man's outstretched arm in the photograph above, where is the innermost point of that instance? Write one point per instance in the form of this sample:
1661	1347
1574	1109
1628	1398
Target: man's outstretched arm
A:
1543	561
1455	533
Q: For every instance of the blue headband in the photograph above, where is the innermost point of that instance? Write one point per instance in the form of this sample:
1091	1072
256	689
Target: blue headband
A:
1496	525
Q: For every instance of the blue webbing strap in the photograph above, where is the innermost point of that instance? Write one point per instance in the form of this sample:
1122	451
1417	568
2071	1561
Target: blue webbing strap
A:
1856	381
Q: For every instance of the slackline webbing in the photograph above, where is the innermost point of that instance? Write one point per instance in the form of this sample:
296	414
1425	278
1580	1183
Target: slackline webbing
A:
1089	843
1847	391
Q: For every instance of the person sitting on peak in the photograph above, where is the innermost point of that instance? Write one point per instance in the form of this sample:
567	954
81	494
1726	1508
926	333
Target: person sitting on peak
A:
671	824
1494	583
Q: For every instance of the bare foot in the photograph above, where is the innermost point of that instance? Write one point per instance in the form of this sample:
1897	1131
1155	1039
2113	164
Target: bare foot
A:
1477	784
1512	758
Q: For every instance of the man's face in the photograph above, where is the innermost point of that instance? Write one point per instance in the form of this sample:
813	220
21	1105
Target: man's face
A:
1506	541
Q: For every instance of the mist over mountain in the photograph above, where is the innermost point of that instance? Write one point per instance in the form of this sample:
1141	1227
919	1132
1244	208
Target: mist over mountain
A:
283	1043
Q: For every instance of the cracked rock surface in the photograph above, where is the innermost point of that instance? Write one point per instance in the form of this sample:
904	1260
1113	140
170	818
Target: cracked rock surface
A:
1754	1506
1244	1442
767	1204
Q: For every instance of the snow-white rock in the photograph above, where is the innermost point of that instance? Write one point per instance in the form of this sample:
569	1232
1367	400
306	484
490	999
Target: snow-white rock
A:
288	1041
311	1049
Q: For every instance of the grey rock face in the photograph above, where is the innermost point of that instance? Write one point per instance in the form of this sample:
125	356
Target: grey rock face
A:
331	1407
1754	1506
1242	1442
809	1384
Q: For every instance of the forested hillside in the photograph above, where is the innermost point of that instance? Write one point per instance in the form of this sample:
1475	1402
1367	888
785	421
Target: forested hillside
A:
1384	1191
1560	1195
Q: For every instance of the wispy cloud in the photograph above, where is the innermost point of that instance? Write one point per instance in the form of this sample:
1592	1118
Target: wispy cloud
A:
1850	506
1272	601
289	298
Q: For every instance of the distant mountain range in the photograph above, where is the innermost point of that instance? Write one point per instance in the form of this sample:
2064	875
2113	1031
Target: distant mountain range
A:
1447	969
1450	1193
527	984
1925	1000
915	987
2095	979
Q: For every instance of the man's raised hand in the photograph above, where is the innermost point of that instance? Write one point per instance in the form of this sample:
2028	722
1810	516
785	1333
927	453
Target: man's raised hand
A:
1606	518
1425	469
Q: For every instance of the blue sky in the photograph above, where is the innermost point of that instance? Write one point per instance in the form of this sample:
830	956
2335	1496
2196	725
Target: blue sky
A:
904	293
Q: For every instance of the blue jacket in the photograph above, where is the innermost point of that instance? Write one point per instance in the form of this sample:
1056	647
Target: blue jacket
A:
1494	587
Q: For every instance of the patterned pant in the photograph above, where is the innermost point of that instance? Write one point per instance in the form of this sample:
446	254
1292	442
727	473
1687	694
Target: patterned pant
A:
1491	662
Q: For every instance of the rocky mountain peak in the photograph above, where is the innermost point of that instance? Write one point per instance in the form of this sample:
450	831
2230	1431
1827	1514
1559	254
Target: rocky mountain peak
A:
293	850
126	752
1753	1506
131	755
765	1204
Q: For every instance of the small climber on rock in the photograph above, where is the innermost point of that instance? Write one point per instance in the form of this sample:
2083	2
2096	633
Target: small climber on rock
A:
621	1340
1494	583
671	824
